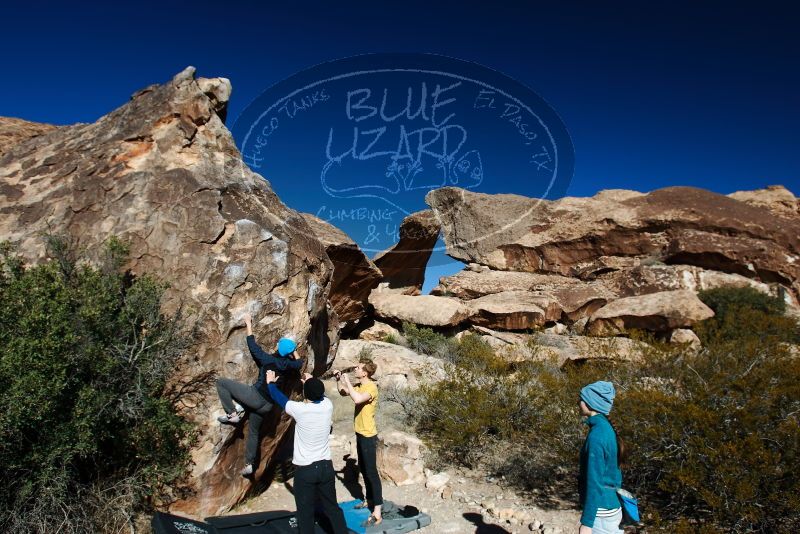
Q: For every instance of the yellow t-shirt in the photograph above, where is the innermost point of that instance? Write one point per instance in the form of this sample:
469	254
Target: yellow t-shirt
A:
365	413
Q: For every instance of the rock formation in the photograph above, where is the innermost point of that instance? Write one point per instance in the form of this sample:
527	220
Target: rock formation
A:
379	331
403	265
515	310
568	298
354	275
14	131
654	312
775	198
618	230
400	458
163	173
428	310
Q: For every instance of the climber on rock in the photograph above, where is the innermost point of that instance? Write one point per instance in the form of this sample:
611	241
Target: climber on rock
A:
256	399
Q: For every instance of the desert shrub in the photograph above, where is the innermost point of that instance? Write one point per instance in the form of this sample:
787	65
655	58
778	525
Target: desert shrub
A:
426	341
719	433
745	313
87	435
725	300
365	353
714	435
391	338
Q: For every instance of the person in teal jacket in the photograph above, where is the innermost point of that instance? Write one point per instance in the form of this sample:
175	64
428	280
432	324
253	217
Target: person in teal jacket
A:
601	455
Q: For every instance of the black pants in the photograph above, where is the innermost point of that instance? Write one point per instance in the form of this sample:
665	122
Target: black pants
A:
368	465
317	480
252	401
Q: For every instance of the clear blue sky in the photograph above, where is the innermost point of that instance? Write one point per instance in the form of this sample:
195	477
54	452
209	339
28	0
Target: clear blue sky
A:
653	93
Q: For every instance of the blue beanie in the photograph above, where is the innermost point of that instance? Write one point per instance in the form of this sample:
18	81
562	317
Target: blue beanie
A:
599	396
286	345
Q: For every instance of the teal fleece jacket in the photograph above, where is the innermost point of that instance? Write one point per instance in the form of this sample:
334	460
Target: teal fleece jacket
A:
599	474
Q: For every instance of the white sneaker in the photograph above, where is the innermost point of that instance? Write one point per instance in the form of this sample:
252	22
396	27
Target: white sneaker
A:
230	419
247	471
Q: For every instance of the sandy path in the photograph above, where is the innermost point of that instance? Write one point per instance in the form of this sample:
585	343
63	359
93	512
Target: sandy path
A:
466	510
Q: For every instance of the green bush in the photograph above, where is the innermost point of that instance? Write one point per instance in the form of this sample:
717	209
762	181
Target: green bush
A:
714	434
87	436
719	431
725	300
391	338
425	340
745	313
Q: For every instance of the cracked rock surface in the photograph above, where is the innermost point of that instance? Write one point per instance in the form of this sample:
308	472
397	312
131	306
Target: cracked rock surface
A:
755	235
163	173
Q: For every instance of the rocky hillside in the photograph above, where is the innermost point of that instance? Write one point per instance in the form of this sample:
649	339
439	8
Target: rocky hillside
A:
604	265
14	131
162	172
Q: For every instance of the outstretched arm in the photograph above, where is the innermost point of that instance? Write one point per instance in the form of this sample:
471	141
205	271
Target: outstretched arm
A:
259	355
276	394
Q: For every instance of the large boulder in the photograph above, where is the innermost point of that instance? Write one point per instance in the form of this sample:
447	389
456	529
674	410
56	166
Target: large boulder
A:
655	312
616	230
379	331
163	173
400	458
403	265
575	298
427	310
515	310
775	198
653	278
684	336
561	349
473	282
354	275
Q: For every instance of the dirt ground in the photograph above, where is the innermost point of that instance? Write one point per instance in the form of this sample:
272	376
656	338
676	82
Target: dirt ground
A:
473	504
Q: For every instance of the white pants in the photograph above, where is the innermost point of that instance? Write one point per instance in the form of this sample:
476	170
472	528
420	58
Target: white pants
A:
608	525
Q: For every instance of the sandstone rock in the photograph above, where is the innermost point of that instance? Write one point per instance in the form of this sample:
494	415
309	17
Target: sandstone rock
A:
14	131
393	361
498	345
403	265
437	481
163	173
400	458
615	348
655	312
561	348
564	349
574	297
579	327
644	279
557	328
684	336
473	283
428	310
775	198
508	338
586	237
354	275
514	310
379	332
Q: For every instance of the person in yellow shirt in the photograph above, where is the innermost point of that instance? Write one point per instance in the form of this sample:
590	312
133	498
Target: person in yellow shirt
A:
365	397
